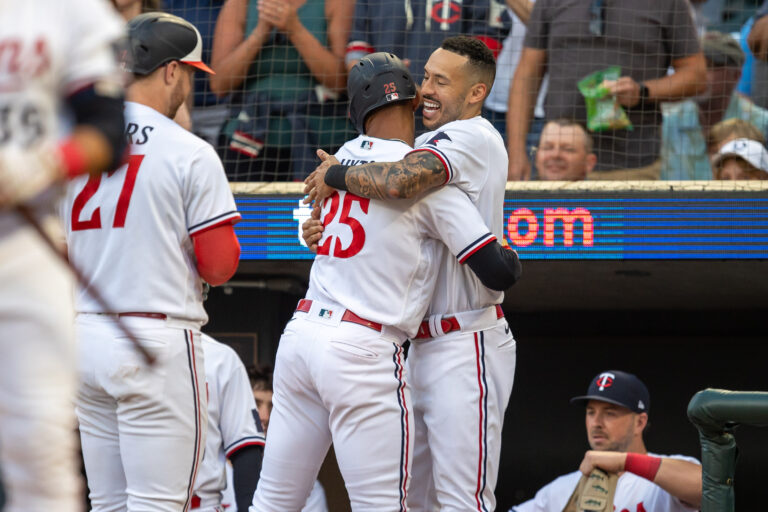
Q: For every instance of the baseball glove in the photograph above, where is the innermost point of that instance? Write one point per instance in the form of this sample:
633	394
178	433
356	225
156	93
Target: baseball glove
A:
594	493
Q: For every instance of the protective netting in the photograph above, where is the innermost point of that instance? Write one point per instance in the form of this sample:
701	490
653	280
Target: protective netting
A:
661	85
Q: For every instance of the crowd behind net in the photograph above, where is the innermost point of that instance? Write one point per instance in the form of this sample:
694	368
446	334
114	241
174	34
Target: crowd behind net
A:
279	92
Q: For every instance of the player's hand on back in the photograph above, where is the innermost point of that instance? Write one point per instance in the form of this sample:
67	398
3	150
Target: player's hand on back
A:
312	230
316	190
610	462
25	174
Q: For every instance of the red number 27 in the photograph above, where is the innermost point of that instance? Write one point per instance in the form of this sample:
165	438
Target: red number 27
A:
134	162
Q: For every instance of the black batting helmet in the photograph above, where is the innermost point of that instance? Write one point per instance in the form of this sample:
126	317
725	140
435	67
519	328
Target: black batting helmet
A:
378	80
156	38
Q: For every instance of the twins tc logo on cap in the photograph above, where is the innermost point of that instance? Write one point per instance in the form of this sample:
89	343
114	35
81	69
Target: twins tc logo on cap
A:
617	387
605	380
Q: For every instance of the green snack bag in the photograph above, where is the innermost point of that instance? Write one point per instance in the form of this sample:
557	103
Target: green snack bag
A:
603	111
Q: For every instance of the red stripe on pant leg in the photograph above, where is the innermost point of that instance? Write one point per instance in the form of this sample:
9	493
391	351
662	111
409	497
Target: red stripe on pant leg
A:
480	429
199	419
198	415
403	504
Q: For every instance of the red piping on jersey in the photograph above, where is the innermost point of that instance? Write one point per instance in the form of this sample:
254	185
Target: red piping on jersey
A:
229	220
240	447
442	161
473	251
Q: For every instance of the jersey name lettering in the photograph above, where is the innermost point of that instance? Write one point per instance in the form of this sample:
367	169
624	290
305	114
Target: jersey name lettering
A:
21	59
141	132
352	161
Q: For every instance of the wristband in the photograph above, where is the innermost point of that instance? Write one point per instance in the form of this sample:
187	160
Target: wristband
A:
336	176
645	466
644	96
72	159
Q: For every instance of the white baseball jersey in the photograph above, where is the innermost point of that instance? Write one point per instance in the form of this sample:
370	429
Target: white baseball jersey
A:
48	50
233	422
135	225
475	159
633	494
388	278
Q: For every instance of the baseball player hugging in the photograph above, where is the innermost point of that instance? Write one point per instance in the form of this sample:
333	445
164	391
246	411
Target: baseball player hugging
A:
339	375
462	361
146	236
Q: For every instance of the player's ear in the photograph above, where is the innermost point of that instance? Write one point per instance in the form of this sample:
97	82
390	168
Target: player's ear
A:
641	421
477	93
172	69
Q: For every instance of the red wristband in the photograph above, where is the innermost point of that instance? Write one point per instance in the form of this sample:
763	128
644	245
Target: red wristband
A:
72	159
645	466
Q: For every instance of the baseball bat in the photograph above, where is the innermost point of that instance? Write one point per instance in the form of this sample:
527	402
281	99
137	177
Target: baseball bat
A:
25	213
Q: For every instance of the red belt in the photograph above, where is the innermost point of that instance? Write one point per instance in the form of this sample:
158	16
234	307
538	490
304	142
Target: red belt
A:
157	316
449	323
348	316
195	502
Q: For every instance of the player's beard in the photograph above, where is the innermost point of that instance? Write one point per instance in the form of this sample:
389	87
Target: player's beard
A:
178	95
619	445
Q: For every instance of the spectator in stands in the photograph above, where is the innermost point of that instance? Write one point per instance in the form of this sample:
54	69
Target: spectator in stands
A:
413	29
617	405
683	147
575	39
495	109
564	152
284	62
731	129
208	113
129	9
741	159
758	36
699	21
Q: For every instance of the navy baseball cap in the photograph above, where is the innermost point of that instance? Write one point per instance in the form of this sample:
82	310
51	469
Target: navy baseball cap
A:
620	388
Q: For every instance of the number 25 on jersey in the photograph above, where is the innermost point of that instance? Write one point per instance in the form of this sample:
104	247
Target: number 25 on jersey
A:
358	232
123	201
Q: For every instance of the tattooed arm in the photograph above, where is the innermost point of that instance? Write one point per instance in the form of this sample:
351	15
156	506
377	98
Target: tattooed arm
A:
415	174
412	176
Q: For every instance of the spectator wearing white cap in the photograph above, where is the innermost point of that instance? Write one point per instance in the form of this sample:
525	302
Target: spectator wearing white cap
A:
741	159
686	123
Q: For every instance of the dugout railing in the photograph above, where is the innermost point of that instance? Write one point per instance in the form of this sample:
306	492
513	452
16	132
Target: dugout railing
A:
716	413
